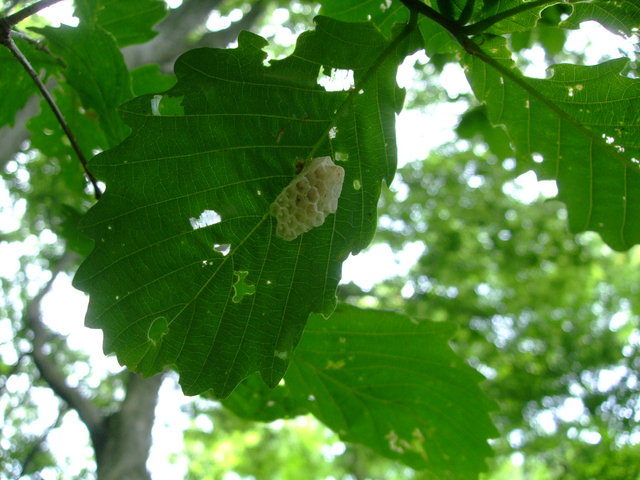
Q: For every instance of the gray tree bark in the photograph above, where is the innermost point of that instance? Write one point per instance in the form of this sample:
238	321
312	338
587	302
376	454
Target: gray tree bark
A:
123	442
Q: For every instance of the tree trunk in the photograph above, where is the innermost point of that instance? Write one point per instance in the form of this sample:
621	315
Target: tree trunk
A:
122	444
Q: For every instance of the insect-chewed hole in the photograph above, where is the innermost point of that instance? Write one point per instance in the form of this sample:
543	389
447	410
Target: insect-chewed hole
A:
158	329
223	248
241	287
337	80
206	219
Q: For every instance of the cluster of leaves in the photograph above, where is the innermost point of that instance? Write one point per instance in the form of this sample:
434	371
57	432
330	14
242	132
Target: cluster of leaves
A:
186	269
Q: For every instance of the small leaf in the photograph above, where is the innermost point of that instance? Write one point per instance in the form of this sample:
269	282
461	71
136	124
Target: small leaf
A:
579	127
95	69
131	22
17	85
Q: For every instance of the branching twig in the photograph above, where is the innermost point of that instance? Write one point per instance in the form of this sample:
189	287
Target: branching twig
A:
6	24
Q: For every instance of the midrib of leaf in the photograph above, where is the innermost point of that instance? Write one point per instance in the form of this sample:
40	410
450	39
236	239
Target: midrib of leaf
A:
474	49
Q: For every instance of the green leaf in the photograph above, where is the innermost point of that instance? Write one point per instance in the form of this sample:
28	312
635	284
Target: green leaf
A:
393	384
579	127
129	22
197	181
619	16
95	68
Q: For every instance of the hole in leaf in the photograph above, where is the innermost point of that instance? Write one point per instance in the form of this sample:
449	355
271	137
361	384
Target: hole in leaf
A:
223	248
158	329
206	219
166	105
342	157
338	79
241	287
155	105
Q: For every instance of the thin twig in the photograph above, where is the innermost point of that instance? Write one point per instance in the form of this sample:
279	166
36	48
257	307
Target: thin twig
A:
7	23
10	44
425	10
38	45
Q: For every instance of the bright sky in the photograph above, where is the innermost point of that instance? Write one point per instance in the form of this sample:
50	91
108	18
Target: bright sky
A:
418	133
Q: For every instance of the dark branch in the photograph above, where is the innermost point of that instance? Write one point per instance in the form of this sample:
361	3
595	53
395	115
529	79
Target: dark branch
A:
10	44
427	11
50	373
7	23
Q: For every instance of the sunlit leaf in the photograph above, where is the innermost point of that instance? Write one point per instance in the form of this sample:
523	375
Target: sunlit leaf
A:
386	381
580	127
394	384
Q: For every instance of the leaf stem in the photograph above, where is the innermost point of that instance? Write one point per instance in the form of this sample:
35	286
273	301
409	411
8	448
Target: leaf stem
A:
427	11
10	44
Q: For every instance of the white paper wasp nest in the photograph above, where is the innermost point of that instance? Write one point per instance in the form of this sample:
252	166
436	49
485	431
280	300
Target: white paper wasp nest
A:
308	199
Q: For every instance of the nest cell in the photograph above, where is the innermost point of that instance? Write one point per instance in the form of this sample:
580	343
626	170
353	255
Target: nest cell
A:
308	199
